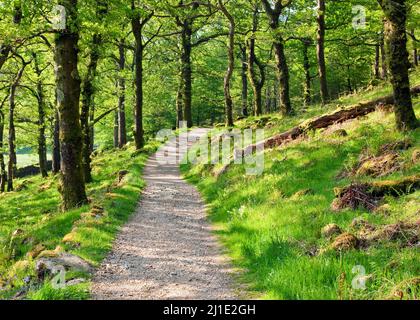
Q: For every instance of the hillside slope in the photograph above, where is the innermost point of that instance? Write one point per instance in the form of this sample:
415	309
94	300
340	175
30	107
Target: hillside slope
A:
280	227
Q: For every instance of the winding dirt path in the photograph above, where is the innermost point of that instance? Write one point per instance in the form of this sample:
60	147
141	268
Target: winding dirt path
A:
167	250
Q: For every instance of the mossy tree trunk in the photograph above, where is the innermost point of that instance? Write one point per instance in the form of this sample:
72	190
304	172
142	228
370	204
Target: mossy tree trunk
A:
231	66
186	70
384	67
257	83
56	155
88	93
11	167
42	141
322	70
395	12
137	24
244	78
278	44
72	184
3	173
307	69
121	118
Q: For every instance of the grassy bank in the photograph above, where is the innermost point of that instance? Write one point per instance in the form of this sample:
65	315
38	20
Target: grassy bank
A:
271	224
30	221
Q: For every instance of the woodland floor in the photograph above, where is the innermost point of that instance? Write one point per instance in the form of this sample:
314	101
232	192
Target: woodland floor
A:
167	250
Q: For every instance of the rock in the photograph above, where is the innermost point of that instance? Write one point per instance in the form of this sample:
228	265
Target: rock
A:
46	266
345	241
416	156
330	230
51	253
36	251
76	282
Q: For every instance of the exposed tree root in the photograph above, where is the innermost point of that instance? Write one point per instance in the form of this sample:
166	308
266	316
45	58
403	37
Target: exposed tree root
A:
367	195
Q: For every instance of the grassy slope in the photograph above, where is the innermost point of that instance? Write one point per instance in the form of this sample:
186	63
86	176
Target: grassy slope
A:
34	210
268	231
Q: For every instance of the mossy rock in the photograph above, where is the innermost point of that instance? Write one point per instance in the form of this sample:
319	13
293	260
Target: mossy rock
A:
51	253
331	230
345	242
36	251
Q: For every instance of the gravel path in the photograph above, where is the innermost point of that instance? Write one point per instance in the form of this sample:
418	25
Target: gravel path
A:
167	250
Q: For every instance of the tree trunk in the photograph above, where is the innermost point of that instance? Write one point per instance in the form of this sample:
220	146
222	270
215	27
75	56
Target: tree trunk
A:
116	130
88	93
307	69
3	173
273	15
244	72
384	67
256	84
396	46
56	155
138	109
186	73
415	54
42	141
11	168
121	120
72	187
231	66
283	75
322	70
4	54
179	109
377	61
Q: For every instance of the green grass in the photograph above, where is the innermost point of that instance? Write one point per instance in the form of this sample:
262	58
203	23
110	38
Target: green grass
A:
34	210
268	232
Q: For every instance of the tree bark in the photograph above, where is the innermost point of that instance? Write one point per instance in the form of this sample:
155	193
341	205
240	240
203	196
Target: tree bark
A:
415	53
384	67
231	65
11	168
88	92
395	12
377	61
281	63
257	83
137	24
307	69
72	186
322	70
42	141
244	77
56	155
3	173
121	118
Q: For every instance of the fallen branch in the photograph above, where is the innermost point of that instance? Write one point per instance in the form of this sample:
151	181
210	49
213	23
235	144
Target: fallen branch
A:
322	122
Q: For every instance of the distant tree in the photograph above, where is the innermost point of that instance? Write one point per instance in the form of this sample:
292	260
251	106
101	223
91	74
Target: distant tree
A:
395	13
